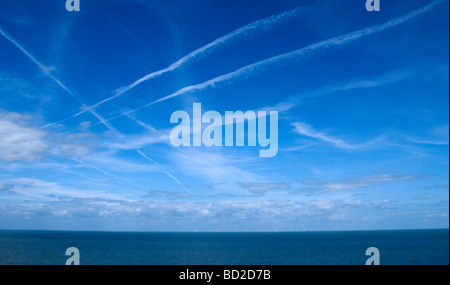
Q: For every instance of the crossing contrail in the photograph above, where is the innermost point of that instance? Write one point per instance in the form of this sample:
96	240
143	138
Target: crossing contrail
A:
45	70
80	99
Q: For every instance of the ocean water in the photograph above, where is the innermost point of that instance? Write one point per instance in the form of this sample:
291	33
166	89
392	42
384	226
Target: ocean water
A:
293	248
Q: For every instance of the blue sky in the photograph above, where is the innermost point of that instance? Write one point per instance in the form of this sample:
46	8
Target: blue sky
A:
362	101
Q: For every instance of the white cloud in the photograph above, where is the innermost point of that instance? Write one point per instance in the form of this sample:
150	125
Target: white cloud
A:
114	163
75	145
436	136
6	188
366	181
321	204
20	90
308	131
381	203
19	141
75	150
51	191
317	186
357	83
131	142
261	188
214	166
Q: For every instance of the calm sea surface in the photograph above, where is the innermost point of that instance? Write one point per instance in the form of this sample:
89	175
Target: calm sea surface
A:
316	248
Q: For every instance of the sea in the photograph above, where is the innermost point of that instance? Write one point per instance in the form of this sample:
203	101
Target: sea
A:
396	247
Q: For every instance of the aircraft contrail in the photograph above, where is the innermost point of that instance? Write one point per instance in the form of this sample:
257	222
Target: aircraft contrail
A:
78	97
107	173
258	26
245	31
165	171
45	70
294	55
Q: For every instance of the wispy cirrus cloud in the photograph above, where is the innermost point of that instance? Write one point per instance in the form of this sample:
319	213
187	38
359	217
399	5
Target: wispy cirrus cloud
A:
430	142
433	197
21	91
367	181
6	188
436	136
133	142
138	142
50	190
112	163
308	131
296	100
214	166
315	186
167	194
122	163
261	188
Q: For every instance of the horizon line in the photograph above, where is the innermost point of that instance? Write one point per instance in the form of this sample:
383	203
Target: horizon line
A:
198	232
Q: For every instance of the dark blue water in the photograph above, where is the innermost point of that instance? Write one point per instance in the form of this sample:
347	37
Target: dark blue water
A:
316	248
